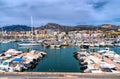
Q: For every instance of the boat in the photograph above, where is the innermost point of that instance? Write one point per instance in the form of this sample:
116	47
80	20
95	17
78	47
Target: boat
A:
64	44
85	45
5	41
102	44
13	52
104	50
52	46
2	69
31	43
18	67
106	67
95	71
4	66
11	69
83	63
96	45
57	46
83	68
17	64
43	53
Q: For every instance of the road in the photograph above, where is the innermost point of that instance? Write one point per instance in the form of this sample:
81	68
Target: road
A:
49	75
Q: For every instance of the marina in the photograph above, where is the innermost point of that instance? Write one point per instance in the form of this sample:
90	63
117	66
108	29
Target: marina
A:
59	51
58	59
59	39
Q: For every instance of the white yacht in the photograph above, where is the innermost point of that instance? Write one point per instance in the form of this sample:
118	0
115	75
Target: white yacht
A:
31	43
104	50
57	46
5	41
52	46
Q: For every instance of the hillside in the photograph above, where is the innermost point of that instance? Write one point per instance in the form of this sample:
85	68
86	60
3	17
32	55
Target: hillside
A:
54	26
17	28
104	27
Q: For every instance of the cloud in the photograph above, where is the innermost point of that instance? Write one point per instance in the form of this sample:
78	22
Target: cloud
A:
68	12
99	5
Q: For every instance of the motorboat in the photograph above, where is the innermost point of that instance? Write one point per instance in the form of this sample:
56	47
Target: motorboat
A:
12	52
52	46
57	46
104	50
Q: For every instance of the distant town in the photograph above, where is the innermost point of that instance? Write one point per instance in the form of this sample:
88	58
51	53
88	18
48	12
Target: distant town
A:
52	29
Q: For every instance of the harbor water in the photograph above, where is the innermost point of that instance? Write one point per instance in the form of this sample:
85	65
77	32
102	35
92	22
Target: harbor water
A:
56	60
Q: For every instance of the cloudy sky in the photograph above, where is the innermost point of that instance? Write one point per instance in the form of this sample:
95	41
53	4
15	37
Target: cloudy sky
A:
65	12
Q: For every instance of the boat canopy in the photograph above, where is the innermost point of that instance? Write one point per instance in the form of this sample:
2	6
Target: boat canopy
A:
5	63
17	60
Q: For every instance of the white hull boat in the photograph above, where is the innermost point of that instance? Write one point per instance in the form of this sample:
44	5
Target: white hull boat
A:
57	46
52	46
29	44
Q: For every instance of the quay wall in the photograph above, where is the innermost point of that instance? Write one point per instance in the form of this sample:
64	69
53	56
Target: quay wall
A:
59	73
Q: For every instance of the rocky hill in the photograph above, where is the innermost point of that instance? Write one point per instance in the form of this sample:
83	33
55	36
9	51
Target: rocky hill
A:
104	27
54	26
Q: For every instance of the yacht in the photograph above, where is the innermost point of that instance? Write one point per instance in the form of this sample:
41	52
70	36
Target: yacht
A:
6	41
104	50
31	43
52	46
57	46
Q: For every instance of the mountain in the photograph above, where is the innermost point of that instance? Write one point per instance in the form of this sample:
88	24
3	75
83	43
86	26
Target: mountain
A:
54	26
17	28
103	27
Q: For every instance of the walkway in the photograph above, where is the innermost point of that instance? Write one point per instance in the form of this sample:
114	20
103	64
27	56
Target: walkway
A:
48	75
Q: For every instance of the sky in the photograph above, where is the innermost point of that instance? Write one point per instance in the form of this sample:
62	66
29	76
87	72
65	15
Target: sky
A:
65	12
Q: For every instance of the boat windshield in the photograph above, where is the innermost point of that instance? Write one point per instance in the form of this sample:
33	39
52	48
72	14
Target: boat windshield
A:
5	63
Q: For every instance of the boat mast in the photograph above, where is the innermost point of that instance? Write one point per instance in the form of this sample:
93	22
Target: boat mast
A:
32	26
2	33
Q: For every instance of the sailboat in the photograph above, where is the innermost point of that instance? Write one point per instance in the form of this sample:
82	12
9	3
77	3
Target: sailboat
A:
3	40
31	43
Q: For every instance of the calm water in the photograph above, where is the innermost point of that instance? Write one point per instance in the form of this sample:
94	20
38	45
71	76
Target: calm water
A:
56	60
